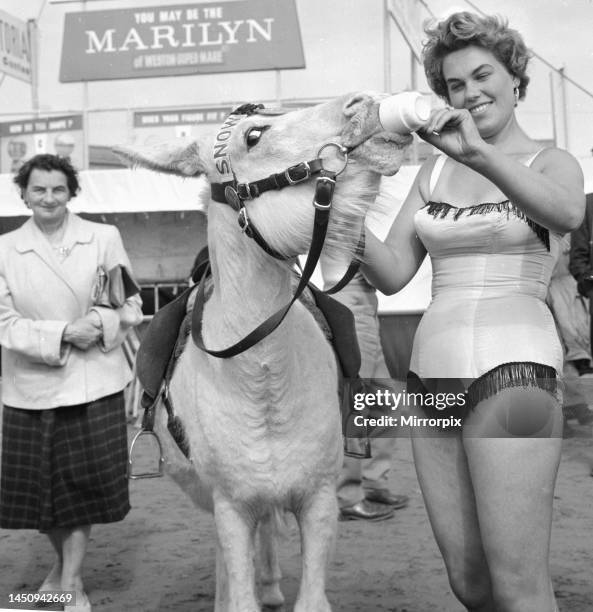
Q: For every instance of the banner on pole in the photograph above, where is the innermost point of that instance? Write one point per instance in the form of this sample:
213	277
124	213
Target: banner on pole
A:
173	40
15	48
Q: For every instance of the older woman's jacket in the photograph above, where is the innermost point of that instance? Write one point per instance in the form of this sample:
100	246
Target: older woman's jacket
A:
39	296
581	252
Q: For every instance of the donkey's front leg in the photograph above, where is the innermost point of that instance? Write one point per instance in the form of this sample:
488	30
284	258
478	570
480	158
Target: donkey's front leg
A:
221	599
318	524
236	532
270	572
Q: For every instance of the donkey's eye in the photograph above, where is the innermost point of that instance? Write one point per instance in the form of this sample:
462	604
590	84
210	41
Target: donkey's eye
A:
254	134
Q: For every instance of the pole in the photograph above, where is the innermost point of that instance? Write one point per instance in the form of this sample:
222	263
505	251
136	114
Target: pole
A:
414	87
85	117
553	106
564	109
386	48
32	31
85	126
278	87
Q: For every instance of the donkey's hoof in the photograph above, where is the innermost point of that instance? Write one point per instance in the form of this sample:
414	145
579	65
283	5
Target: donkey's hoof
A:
272	599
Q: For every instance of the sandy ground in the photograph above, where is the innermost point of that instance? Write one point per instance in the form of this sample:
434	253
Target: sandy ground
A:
161	557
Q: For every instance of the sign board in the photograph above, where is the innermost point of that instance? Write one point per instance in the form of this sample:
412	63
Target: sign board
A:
172	40
15	48
191	116
187	123
20	140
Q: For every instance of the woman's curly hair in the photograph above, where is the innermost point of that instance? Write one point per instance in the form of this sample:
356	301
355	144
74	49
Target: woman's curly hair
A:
463	29
47	162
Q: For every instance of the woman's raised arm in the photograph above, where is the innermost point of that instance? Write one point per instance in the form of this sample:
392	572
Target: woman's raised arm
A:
390	265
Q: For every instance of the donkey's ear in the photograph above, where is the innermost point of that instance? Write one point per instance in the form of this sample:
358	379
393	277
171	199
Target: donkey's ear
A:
173	157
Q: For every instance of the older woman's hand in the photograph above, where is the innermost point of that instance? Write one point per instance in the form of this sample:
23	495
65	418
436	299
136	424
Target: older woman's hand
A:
84	332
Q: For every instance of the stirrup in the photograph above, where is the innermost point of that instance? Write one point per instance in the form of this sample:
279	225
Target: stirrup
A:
155	474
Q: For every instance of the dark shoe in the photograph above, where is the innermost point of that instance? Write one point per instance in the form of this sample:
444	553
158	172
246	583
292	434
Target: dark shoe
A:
582	366
386	497
366	511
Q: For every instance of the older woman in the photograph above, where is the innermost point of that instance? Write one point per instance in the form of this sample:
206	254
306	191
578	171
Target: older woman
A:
64	444
490	211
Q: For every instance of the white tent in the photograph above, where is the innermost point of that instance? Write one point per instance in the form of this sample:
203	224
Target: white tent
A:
117	191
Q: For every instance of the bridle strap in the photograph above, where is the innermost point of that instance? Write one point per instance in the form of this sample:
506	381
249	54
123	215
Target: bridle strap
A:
324	190
252	231
248	191
235	194
352	268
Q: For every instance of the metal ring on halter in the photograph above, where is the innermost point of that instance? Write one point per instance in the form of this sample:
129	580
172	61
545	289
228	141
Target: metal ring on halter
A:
341	149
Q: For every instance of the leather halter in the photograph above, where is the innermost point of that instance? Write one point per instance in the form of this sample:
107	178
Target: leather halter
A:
235	194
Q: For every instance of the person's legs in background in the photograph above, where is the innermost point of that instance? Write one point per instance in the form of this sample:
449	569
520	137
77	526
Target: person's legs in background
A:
572	315
590	296
363	491
375	472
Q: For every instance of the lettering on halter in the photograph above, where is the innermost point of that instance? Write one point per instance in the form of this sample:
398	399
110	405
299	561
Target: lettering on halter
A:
221	149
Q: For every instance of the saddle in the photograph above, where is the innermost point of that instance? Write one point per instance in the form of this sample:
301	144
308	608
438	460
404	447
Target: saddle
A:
170	328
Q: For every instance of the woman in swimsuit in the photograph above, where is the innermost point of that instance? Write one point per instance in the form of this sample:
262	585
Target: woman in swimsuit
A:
490	212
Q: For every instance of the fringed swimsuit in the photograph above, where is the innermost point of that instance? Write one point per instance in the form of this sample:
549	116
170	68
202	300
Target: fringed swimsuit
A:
488	323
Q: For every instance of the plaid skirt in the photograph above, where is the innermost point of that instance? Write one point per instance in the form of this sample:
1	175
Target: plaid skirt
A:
64	467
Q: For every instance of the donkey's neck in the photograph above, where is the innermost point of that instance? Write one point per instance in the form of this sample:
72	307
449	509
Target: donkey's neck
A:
249	285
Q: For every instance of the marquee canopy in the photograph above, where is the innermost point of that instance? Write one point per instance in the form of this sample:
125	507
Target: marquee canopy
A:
117	191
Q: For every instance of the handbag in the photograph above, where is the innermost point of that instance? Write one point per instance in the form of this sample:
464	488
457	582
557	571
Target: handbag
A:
112	288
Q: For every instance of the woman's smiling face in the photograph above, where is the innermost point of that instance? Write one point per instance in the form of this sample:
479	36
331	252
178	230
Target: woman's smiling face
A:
47	195
478	81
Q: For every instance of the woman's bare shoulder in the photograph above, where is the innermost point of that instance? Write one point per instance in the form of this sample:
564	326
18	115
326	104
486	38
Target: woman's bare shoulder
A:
554	155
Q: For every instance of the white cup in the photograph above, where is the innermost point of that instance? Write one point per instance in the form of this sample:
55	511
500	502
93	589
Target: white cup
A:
405	112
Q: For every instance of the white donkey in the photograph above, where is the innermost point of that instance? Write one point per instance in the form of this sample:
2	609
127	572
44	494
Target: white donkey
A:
264	426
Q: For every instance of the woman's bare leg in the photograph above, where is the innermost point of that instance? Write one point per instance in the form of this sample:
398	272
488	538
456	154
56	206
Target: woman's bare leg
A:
442	470
513	479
